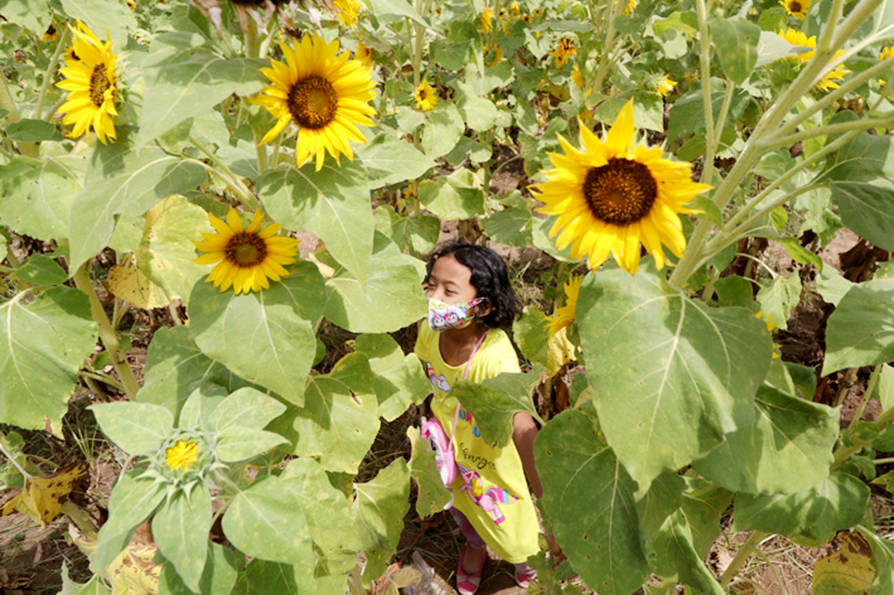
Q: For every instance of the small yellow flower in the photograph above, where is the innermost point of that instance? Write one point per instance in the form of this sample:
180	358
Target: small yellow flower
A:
563	51
537	12
348	12
665	86
564	315
487	18
364	54
526	18
498	57
515	8
771	326
131	4
182	455
578	78
796	8
631	6
426	98
888	52
51	34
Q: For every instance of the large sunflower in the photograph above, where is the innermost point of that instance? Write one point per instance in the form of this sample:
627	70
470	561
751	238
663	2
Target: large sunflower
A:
614	195
324	93
245	258
90	79
564	315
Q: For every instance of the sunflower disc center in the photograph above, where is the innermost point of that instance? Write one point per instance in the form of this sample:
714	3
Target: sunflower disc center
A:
99	84
313	102
620	192
795	6
246	250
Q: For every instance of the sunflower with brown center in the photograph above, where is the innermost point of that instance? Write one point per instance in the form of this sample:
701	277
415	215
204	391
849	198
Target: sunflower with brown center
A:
426	98
324	93
615	194
830	79
245	258
563	51
796	8
90	80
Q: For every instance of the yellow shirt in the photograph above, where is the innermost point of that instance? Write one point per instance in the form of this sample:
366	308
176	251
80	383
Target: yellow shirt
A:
491	488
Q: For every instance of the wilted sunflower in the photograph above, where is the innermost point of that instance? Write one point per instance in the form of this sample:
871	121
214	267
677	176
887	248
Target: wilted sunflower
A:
324	93
665	86
245	258
90	79
564	315
800	39
563	51
614	194
426	98
796	8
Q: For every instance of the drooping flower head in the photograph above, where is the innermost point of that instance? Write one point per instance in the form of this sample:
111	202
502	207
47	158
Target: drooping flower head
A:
324	93
829	80
563	51
90	80
614	194
426	98
665	86
245	258
564	315
796	8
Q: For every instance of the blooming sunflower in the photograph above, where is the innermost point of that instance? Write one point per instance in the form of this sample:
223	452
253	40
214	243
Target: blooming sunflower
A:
426	98
487	18
613	195
796	8
325	94
364	54
348	12
182	455
90	79
564	315
829	80
631	6
665	86
578	77
563	50
245	258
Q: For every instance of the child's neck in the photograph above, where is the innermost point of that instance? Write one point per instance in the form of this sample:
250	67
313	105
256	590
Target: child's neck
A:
457	344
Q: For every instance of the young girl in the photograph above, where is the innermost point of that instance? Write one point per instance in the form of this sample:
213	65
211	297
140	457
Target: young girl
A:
469	300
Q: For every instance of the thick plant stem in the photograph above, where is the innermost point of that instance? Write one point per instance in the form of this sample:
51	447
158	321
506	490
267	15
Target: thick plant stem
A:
705	65
252	49
858	125
742	556
107	334
873	380
7	103
245	195
614	11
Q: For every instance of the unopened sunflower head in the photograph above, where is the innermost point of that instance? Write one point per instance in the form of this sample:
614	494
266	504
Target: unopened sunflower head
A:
613	194
247	258
186	456
426	97
91	81
325	93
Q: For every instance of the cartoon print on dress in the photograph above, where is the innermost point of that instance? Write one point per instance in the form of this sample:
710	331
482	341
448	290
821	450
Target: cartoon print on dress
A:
489	500
437	380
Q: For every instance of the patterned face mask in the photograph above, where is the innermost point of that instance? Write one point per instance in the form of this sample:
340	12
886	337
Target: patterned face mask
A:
442	316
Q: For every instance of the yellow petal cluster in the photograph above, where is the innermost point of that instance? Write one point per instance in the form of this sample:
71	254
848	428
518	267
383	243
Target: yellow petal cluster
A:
564	315
183	455
426	98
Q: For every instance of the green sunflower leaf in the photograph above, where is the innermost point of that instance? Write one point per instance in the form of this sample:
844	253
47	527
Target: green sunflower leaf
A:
677	558
246	407
394	280
265	337
882	560
783	444
122	181
184	79
412	234
588	500
666	371
41	269
392	161
837	503
432	495
238	443
42	345
180	529
859	331
453	198
443	128
36	195
378	509
103	18
175	367
332	203
262	578
736	42
399	379
263	521
219	575
136	428
132	502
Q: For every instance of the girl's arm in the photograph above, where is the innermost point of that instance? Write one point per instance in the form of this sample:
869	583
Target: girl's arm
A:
524	430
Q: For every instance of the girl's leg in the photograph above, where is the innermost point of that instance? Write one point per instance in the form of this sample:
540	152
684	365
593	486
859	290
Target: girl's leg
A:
468	531
472	557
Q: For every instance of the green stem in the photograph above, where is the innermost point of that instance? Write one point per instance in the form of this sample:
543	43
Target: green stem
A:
742	556
617	7
846	382
107	333
705	65
102	378
252	50
867	394
724	112
80	518
245	195
7	103
756	260
858	125
13	460
51	70
883	461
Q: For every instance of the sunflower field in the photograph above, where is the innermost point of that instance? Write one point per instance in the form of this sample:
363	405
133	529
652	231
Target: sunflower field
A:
214	218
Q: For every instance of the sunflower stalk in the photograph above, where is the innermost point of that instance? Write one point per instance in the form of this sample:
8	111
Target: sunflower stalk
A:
252	50
867	394
705	65
829	129
107	333
602	69
86	374
742	556
7	103
51	69
246	197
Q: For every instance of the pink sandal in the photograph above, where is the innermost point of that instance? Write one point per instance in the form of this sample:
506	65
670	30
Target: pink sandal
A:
467	584
524	574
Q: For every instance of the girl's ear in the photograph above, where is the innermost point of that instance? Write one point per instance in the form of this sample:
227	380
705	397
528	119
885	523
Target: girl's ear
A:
483	309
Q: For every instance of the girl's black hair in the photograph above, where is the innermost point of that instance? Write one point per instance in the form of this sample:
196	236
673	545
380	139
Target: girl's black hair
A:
489	278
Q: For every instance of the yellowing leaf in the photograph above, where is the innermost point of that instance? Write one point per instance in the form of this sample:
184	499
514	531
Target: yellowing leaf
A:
848	571
42	498
129	283
559	351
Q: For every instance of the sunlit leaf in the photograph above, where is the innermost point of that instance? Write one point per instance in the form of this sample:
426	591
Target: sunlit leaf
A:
399	379
42	497
127	282
36	195
219	575
114	18
442	130
846	570
132	502
736	41
860	331
379	508
391	161
180	529
454	197
432	496
136	428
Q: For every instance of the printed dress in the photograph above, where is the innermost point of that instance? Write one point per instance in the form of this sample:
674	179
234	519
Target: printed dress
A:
491	488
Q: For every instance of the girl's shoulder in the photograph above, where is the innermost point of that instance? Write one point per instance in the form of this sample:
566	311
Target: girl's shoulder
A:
498	353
